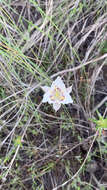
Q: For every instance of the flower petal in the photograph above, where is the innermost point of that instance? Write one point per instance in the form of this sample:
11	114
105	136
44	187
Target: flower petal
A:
67	99
45	88
69	89
56	106
59	83
46	97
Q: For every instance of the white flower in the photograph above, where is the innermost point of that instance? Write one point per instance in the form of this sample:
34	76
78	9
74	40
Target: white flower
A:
57	94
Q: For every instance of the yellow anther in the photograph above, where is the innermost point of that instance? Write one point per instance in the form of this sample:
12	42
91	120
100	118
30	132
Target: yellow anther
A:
57	94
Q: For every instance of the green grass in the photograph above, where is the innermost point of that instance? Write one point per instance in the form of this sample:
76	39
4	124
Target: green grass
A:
40	40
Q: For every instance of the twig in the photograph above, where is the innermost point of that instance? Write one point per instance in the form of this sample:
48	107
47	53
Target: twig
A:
100	104
78	67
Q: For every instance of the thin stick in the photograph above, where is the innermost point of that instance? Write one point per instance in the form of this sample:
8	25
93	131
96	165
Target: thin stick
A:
78	67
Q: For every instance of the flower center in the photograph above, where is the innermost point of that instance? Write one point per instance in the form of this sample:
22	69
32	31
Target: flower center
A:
57	95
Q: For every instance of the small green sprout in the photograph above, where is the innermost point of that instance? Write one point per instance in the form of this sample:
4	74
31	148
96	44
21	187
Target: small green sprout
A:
17	141
101	123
